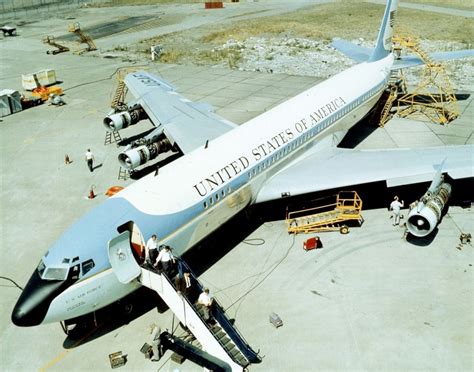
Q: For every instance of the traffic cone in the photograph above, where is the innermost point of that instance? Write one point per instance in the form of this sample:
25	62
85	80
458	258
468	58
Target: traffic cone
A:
91	193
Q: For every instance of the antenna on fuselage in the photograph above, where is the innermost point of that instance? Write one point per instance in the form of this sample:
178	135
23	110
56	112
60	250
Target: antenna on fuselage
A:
207	144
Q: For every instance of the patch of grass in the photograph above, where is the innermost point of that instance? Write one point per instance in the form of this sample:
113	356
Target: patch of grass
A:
150	2
172	56
458	4
349	20
345	20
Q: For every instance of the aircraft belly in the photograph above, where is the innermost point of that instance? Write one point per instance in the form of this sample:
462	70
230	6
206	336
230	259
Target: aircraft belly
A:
87	296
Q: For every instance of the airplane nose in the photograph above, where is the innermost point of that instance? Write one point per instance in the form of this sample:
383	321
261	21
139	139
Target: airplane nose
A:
34	301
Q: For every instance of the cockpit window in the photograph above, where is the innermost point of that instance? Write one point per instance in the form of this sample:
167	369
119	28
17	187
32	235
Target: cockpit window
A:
66	260
55	273
87	266
41	268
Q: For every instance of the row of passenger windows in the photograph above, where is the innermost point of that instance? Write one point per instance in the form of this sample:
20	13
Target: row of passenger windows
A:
277	156
216	197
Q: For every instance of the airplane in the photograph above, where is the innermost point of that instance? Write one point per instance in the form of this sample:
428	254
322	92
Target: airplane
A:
224	168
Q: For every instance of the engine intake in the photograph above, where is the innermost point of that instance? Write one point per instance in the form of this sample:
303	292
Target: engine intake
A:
426	213
124	119
137	156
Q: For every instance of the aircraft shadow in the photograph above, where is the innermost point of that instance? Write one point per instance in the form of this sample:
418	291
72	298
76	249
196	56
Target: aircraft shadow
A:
154	167
424	241
127	140
213	248
112	317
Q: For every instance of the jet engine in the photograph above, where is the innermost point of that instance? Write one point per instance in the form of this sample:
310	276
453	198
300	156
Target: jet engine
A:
139	155
425	214
124	119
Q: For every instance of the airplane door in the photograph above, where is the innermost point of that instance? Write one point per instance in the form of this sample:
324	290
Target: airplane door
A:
121	258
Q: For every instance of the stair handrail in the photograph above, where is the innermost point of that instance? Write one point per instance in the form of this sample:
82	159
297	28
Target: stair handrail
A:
196	311
222	319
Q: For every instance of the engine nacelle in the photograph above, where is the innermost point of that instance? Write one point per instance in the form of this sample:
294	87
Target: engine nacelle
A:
124	119
137	156
426	214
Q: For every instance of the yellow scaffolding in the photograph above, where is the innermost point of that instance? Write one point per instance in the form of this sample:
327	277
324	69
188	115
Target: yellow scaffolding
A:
434	96
329	217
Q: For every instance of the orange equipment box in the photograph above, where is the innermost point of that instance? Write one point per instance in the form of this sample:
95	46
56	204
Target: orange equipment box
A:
312	243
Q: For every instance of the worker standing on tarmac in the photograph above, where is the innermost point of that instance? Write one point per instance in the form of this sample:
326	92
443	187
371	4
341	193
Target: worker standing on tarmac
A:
395	207
90	160
155	332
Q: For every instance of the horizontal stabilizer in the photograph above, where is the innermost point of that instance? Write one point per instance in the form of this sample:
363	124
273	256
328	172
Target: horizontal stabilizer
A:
357	52
411	61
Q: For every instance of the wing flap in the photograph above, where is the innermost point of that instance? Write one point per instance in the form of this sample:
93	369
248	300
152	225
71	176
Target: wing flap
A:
184	122
339	168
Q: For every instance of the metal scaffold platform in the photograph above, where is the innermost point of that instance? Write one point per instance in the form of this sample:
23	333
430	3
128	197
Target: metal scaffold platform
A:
433	96
329	217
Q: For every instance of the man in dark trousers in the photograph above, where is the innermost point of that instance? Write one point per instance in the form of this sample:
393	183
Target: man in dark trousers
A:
90	160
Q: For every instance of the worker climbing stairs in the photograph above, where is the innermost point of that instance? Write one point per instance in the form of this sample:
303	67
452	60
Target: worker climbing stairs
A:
219	337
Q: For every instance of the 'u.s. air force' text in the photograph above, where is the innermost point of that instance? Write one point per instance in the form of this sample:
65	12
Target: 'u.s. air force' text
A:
221	176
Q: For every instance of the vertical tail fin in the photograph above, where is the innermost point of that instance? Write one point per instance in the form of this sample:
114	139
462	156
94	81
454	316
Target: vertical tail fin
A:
384	39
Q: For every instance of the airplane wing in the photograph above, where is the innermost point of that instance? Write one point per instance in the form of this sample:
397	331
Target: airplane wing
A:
411	61
331	168
356	52
184	122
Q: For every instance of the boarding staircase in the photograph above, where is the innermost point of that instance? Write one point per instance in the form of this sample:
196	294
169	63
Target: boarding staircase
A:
329	217
220	339
50	40
83	37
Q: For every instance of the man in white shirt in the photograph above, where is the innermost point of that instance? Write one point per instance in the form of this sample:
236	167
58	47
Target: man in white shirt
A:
90	160
166	259
395	208
151	249
205	300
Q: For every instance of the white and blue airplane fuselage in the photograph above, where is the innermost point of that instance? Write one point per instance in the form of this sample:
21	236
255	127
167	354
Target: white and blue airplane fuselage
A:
187	201
191	197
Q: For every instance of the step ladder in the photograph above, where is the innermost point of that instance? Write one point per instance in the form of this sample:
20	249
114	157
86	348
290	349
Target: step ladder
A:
329	217
50	40
112	137
221	339
385	116
83	37
123	174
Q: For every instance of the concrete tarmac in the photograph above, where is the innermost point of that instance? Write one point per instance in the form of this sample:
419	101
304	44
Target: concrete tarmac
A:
368	300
